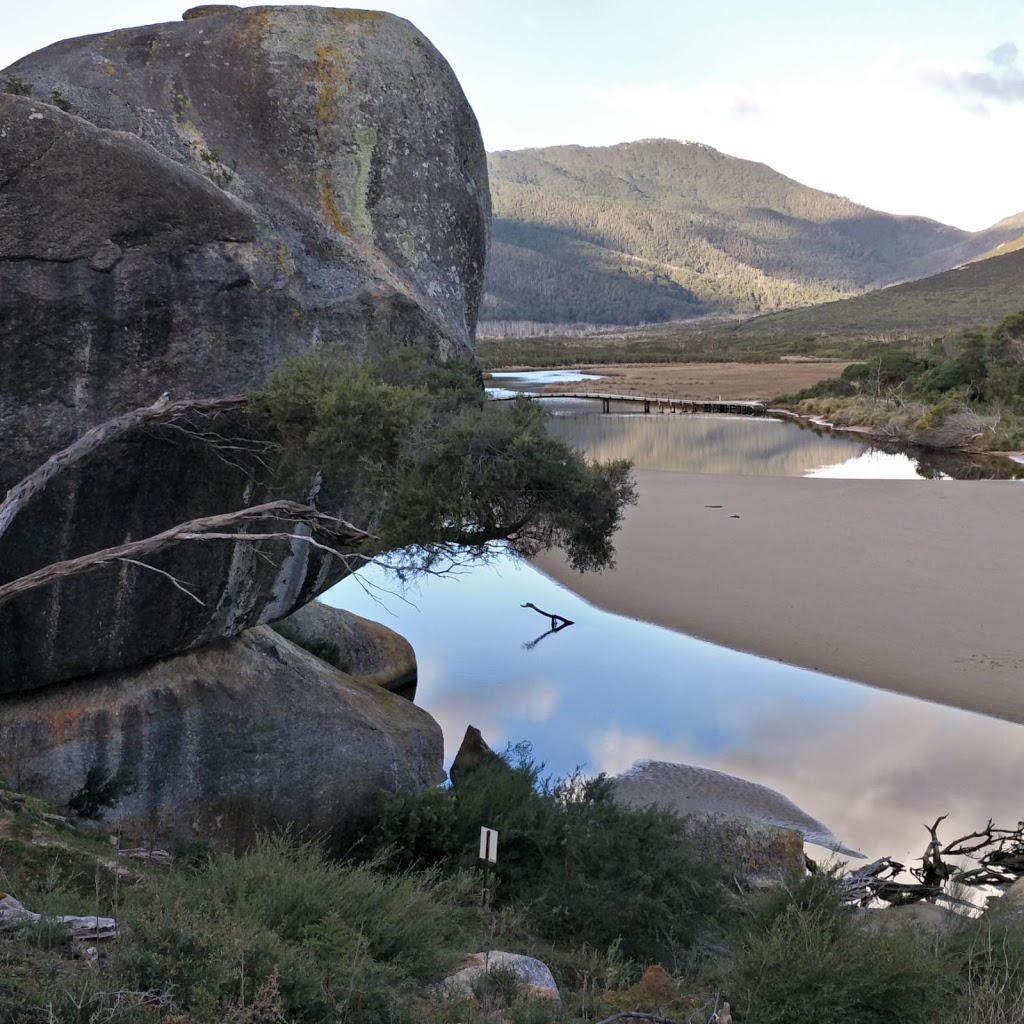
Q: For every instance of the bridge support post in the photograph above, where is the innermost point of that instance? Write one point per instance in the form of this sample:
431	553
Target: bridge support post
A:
606	405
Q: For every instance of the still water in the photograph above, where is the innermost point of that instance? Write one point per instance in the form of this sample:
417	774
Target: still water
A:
609	690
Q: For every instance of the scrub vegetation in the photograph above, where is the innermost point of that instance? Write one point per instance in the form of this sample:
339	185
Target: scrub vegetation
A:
966	392
288	933
415	452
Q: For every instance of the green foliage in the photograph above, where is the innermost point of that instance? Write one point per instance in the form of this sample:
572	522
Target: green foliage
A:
221	174
58	99
14	86
965	391
804	959
347	942
101	790
427	464
582	868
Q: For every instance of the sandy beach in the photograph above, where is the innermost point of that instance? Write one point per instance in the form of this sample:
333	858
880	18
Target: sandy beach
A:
912	586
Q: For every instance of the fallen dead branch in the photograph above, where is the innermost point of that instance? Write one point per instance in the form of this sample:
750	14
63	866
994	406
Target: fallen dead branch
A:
327	532
162	410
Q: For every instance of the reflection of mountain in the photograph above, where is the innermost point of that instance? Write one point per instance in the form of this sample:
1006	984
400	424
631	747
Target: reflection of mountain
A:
704	444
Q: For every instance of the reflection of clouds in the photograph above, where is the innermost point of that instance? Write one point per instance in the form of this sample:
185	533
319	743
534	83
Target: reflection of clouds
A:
610	691
874	776
495	711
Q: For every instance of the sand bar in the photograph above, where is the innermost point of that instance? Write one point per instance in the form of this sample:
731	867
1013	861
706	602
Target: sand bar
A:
913	586
734	382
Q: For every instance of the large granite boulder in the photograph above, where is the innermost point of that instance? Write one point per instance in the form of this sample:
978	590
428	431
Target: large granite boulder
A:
247	734
361	648
224	193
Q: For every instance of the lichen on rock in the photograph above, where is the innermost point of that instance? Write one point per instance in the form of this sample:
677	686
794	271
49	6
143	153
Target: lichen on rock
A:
231	190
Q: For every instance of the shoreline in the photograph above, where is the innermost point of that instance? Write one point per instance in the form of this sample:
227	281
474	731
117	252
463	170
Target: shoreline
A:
899	584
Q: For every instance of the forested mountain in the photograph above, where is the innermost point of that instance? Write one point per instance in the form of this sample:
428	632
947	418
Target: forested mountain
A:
658	230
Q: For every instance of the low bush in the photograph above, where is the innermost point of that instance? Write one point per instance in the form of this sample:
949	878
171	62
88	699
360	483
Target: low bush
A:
803	959
342	942
582	868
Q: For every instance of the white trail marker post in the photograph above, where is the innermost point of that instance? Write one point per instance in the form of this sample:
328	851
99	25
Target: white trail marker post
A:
488	855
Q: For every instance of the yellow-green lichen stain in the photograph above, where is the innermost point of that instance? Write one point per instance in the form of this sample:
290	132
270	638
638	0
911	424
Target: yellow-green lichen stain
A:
366	139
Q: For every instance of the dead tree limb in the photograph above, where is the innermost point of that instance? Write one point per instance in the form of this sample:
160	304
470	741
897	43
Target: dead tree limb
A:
557	621
329	533
162	410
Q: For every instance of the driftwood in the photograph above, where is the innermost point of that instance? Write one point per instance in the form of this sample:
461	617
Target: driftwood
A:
162	410
326	532
998	853
11	911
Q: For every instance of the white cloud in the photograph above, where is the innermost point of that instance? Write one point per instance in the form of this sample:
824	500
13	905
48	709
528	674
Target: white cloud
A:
879	133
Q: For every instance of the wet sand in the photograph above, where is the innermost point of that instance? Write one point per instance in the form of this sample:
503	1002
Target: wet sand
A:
912	586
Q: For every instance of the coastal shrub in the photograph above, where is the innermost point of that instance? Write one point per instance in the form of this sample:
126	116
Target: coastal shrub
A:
582	868
346	942
988	953
809	961
418	457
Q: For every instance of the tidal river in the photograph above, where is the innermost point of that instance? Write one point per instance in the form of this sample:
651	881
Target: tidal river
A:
610	690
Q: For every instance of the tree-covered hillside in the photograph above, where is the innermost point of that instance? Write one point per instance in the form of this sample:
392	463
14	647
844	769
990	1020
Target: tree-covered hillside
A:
656	230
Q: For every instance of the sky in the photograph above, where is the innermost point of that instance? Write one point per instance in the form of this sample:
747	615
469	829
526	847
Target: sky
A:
907	106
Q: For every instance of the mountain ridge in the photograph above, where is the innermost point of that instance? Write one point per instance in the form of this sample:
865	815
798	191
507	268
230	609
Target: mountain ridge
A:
660	229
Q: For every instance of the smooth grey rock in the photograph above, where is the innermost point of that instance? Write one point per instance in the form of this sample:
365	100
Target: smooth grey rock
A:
364	649
246	734
226	192
535	975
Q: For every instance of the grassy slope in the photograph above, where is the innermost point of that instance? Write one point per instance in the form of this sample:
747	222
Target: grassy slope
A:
658	229
979	293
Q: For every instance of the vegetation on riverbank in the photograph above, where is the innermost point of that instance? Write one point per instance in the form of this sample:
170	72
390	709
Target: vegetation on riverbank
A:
670	343
285	934
966	393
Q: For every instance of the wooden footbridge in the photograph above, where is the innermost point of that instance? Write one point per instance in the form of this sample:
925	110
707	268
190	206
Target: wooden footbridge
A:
652	403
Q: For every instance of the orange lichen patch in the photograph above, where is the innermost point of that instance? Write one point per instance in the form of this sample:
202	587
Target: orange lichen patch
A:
64	723
258	25
656	991
356	17
334	215
331	77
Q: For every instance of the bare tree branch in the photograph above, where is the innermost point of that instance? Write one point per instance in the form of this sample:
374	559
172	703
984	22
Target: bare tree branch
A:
161	410
335	533
174	579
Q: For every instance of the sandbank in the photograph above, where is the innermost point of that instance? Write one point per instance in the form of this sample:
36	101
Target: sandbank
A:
735	382
912	586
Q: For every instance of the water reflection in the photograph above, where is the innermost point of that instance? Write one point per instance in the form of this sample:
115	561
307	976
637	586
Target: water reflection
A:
736	445
731	445
609	690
